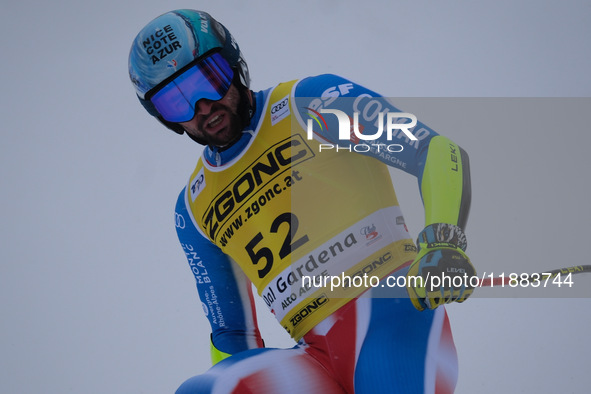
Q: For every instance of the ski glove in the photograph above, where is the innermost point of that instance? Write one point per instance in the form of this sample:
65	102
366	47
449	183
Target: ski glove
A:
441	272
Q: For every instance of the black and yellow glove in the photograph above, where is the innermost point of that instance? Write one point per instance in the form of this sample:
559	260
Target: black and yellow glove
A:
441	272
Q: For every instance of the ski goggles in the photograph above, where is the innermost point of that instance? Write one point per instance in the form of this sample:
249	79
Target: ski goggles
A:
207	78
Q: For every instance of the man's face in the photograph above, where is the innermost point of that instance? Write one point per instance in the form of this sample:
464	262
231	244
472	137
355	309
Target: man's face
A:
216	122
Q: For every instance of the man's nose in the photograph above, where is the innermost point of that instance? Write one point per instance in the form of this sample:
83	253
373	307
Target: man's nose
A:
203	107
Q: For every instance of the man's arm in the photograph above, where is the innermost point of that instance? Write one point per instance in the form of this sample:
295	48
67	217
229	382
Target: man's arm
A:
440	165
446	192
445	184
225	292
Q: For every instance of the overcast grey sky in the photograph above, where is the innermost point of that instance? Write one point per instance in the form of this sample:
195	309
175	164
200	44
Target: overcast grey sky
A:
96	295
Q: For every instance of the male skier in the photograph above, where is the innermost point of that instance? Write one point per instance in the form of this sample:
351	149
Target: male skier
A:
283	198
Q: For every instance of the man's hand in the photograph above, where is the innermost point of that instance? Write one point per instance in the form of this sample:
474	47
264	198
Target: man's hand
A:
441	271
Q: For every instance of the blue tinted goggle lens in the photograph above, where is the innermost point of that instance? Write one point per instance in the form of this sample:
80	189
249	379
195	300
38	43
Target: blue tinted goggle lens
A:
210	79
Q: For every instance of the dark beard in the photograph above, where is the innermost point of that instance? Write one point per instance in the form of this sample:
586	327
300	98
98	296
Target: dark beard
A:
227	136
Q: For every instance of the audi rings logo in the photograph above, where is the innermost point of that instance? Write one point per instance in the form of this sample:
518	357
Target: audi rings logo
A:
279	106
180	220
279	110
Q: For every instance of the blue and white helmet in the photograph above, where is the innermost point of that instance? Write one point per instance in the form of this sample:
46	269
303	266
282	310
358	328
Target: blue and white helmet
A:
173	40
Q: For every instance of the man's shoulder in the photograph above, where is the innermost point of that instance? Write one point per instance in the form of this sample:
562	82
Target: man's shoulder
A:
311	86
180	201
319	85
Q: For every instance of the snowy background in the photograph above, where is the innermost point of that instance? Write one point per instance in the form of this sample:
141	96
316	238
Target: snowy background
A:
95	292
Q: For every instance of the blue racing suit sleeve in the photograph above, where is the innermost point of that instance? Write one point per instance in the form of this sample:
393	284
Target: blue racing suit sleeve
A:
440	166
225	292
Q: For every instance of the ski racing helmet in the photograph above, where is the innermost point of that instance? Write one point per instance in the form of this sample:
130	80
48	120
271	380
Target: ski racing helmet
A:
181	57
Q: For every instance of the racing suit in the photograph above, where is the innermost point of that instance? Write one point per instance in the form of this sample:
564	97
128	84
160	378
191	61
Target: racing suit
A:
290	207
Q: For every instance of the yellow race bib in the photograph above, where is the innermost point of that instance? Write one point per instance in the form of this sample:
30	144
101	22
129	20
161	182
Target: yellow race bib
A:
285	211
